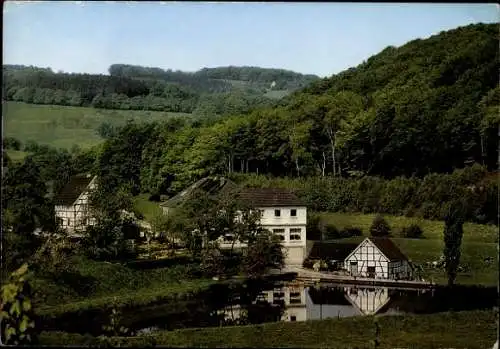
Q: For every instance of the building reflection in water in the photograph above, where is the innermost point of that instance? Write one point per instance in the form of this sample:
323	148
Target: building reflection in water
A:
303	303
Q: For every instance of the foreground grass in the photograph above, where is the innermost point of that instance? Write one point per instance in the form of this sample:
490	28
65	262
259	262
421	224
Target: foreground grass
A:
63	126
478	244
471	329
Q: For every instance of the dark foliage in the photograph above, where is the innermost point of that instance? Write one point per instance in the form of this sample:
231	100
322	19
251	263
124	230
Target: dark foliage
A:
380	227
413	232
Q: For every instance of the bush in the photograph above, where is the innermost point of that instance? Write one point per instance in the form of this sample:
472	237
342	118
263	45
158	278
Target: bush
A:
12	143
412	232
380	227
331	232
349	231
313	230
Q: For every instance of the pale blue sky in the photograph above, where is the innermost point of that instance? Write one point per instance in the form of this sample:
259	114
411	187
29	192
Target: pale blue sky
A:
317	38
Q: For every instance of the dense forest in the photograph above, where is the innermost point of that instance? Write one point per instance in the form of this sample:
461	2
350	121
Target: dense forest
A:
428	106
208	91
410	115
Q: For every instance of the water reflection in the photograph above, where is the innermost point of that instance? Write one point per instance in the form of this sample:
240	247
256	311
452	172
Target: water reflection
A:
258	302
301	302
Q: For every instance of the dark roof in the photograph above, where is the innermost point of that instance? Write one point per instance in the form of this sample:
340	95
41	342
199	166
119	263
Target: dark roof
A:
328	295
388	248
331	250
269	197
211	185
72	190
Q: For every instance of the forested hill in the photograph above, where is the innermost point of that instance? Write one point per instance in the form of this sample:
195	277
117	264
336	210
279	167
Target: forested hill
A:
429	105
220	78
210	91
411	111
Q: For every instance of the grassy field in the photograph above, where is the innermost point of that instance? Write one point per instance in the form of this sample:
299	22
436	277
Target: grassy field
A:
479	241
16	155
63	126
148	208
473	329
93	284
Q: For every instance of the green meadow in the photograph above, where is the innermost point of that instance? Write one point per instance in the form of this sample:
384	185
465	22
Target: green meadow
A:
479	245
64	126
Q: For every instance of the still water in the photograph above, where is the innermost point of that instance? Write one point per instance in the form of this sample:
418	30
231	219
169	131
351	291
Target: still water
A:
294	301
258	302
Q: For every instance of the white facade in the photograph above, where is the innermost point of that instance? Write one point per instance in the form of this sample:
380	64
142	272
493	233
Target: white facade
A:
367	300
368	261
287	222
76	217
292	296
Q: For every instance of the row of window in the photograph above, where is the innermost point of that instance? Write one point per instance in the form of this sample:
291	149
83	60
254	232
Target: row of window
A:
293	213
295	233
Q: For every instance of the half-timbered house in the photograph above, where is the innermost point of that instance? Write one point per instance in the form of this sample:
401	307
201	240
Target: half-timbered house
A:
378	257
72	204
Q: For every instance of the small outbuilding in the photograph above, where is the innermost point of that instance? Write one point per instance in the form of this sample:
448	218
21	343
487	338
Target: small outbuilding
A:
378	257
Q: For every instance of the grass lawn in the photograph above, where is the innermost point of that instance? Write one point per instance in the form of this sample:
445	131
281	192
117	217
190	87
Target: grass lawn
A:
148	208
95	284
432	229
16	155
63	126
472	329
479	242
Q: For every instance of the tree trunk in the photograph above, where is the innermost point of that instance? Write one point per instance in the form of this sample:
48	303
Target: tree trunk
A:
482	149
324	164
333	145
297	166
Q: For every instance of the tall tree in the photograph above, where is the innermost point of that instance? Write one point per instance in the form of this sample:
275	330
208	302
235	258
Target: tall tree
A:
453	232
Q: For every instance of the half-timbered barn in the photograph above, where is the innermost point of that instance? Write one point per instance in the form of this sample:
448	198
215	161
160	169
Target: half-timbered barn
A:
378	258
72	204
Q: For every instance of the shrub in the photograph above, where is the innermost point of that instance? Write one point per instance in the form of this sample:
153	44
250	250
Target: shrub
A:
349	231
313	230
380	227
331	232
413	232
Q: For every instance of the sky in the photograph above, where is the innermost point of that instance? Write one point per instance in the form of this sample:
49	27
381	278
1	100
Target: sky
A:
311	38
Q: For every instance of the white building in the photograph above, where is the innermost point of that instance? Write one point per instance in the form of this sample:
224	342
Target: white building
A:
378	258
282	213
292	296
72	204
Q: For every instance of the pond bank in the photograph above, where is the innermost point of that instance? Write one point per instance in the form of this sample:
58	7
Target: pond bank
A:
468	329
306	275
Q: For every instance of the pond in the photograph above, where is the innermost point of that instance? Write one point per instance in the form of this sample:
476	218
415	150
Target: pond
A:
259	302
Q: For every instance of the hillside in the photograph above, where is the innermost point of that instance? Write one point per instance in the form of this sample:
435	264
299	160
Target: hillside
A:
65	126
428	106
418	109
223	90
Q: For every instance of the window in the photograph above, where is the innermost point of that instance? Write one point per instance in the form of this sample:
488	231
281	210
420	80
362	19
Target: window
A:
293	318
295	234
295	298
293	213
277	213
280	233
69	221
